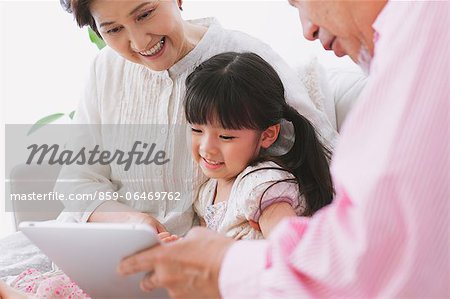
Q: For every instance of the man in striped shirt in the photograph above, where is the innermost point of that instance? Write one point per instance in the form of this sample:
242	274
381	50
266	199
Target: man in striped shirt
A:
387	232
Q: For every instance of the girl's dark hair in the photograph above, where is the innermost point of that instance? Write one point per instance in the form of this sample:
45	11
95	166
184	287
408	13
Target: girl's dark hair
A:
81	12
243	91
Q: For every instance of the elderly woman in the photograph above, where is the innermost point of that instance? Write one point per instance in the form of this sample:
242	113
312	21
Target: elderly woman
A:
139	79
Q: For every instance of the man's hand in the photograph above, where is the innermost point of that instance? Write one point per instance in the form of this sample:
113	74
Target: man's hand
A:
116	212
188	268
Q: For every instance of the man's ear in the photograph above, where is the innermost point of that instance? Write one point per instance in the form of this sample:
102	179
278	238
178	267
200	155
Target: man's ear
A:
269	136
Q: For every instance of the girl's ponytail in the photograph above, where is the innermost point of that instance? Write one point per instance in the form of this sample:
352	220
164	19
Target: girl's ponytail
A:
308	161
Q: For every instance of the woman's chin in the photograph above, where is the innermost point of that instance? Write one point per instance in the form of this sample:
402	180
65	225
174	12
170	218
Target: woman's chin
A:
157	65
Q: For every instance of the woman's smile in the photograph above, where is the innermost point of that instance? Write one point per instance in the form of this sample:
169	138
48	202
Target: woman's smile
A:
155	51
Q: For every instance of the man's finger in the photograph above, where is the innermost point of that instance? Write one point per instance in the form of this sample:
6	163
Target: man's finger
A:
148	283
139	262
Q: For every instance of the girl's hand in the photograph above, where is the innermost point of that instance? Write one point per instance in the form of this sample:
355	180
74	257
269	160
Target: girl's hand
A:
116	212
166	237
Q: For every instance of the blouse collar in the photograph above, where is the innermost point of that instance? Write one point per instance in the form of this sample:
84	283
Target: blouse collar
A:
187	62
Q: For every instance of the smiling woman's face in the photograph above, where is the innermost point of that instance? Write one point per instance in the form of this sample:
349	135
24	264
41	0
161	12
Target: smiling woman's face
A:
150	32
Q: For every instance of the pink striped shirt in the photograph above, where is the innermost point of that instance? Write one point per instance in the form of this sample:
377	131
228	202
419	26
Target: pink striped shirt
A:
387	232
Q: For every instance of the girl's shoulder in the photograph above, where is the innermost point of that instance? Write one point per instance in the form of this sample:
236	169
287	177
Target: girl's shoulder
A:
263	184
263	172
255	179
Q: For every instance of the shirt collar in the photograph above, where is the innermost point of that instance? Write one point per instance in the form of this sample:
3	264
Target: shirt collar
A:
197	53
380	22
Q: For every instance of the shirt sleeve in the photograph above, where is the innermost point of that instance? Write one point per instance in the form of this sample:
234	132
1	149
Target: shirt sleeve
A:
271	192
263	185
291	263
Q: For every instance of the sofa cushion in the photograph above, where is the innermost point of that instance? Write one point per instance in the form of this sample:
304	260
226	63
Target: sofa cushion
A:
334	91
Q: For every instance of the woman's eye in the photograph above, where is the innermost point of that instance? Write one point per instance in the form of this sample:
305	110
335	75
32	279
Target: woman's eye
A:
114	30
144	15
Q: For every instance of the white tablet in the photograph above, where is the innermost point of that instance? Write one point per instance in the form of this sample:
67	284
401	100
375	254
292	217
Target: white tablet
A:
89	254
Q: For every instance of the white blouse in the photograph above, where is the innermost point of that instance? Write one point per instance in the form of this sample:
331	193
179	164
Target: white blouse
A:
122	92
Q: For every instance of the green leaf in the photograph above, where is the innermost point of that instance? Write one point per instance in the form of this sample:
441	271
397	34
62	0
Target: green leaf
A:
72	114
96	39
44	121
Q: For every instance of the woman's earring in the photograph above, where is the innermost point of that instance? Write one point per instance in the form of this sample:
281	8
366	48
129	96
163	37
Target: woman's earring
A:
180	5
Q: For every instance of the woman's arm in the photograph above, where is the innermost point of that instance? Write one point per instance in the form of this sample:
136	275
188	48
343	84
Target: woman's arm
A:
272	215
117	212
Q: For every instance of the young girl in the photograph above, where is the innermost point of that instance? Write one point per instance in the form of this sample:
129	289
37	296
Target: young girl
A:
264	160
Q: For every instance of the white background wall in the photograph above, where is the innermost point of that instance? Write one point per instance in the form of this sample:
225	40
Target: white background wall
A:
44	56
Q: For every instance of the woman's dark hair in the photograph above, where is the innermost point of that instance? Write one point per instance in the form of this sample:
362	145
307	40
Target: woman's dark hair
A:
243	91
81	12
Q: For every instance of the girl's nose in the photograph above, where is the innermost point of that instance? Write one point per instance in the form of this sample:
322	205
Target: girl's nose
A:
208	146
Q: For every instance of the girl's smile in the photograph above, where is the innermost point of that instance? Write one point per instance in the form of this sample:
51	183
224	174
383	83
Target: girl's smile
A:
212	165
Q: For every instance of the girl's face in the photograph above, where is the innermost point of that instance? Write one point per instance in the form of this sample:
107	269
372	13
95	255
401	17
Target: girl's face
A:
223	154
150	32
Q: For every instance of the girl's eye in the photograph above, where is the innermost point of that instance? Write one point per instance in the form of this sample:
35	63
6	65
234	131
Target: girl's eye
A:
144	15
114	30
227	137
196	130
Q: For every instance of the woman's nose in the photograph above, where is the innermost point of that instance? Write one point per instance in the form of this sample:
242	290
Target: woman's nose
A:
139	41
